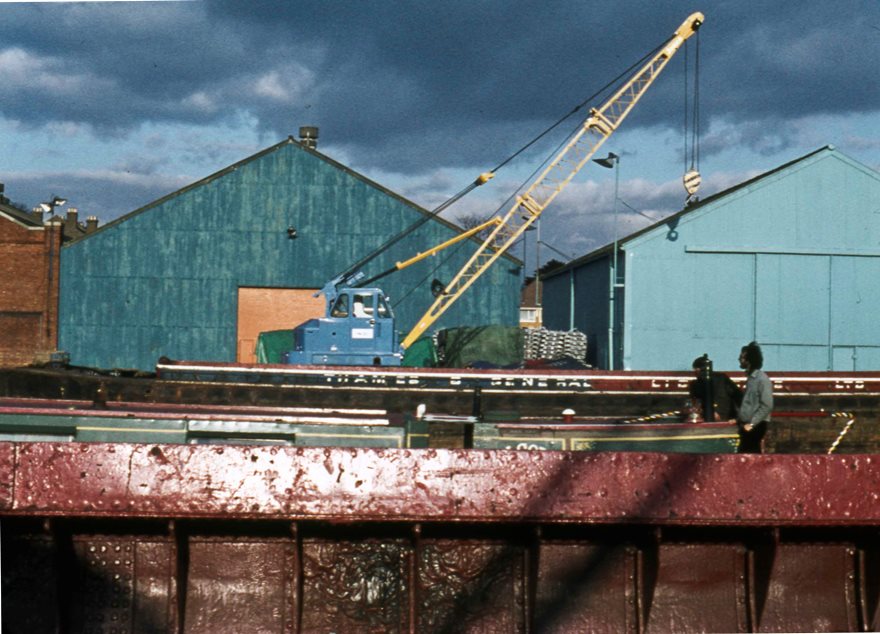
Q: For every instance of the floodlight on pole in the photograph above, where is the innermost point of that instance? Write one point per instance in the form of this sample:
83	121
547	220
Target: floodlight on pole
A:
609	161
612	161
57	201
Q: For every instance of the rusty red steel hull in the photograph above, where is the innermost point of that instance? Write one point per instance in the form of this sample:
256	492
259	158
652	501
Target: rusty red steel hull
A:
228	539
354	484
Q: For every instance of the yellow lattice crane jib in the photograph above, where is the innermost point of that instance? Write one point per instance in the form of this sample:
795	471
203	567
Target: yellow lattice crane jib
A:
601	123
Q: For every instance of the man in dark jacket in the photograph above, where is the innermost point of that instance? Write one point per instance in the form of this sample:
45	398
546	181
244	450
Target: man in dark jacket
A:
726	396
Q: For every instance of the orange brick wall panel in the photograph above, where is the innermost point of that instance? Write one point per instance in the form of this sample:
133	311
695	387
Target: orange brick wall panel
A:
267	309
28	291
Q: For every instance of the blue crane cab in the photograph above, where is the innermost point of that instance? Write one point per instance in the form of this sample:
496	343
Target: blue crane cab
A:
357	329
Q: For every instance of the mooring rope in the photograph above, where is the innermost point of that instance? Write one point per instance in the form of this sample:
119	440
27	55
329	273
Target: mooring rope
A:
650	417
843	432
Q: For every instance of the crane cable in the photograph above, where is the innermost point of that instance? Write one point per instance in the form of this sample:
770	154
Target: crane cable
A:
695	138
692	179
555	125
486	176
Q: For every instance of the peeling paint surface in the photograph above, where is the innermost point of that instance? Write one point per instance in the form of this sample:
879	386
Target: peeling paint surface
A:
434	484
210	538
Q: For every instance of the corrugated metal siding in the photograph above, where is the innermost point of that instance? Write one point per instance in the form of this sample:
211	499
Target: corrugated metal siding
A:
785	261
164	280
791	259
705	300
591	295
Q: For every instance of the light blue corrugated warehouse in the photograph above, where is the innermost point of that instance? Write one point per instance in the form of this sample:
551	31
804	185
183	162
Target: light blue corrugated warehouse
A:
790	259
164	279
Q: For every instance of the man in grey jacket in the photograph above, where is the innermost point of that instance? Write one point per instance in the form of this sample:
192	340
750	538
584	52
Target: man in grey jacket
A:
757	402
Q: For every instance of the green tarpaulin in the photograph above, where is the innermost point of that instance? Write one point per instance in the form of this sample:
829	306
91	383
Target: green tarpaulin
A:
270	345
495	345
421	354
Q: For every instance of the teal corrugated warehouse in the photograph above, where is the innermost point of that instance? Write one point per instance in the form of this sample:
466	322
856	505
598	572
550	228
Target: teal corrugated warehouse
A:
165	279
790	259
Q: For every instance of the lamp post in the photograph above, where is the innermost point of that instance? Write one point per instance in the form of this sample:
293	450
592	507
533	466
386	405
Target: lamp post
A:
56	201
538	267
536	226
522	239
568	258
612	161
524	244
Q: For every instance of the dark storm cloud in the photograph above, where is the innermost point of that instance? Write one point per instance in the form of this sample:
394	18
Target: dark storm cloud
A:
411	87
416	84
106	193
112	66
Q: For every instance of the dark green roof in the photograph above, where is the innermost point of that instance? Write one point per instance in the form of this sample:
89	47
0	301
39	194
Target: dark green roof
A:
289	140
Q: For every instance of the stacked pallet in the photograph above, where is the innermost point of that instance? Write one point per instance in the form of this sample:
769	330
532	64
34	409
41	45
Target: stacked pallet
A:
540	343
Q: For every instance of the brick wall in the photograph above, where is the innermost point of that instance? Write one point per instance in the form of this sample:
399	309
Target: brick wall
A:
29	258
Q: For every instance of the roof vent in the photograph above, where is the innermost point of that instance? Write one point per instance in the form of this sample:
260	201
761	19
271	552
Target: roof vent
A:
309	136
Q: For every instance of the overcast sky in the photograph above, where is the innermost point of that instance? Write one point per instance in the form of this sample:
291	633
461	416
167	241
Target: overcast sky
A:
115	104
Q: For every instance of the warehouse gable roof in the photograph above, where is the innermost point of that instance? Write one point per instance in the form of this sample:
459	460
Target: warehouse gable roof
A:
274	148
702	206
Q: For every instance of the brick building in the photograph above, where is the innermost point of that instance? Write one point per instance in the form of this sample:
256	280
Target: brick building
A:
29	270
530	305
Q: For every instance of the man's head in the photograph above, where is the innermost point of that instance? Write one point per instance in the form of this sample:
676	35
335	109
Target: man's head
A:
750	357
700	363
